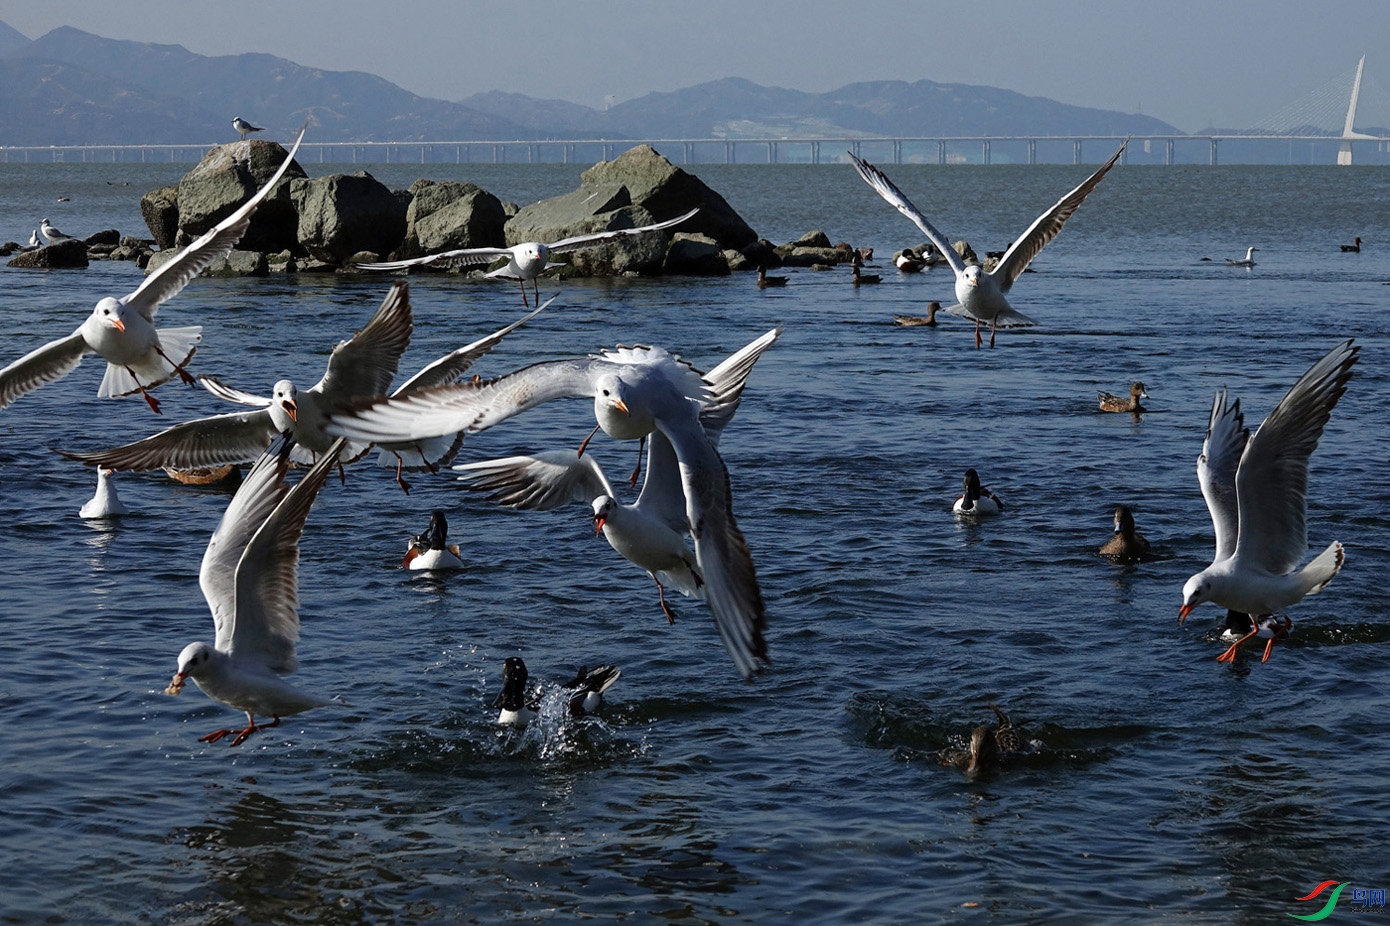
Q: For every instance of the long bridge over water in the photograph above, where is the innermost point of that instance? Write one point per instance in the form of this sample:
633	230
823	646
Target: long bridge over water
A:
1305	119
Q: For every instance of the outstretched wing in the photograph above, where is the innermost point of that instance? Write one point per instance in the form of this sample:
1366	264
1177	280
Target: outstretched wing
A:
1216	471
170	278
365	365
461	257
266	622
40	367
1272	481
537	483
451	366
895	198
466	406
203	443
587	241
232	394
726	383
1046	227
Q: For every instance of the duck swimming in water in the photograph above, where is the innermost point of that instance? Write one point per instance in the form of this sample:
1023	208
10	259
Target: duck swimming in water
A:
1127	545
916	321
1240	627
1113	403
515	709
976	500
432	550
991	746
587	688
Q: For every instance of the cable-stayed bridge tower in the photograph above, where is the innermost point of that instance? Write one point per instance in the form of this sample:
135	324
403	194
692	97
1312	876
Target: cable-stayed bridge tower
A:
1349	134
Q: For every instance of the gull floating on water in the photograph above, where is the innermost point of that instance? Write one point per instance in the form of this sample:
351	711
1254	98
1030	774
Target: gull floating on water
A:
245	128
635	391
250	578
432	549
122	331
1249	260
649	533
525	261
981	295
105	503
1256	489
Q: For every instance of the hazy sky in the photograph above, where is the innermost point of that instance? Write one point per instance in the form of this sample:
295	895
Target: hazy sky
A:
1192	63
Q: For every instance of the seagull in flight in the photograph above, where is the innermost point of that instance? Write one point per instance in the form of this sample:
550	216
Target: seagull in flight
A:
250	578
245	128
1256	488
634	391
122	331
650	533
359	369
525	261
983	296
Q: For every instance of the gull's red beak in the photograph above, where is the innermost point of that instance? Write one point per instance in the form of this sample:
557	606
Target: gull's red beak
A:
621	406
599	521
292	410
1184	611
120	325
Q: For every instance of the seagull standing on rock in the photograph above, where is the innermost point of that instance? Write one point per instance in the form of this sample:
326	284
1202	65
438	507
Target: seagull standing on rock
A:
245	128
51	233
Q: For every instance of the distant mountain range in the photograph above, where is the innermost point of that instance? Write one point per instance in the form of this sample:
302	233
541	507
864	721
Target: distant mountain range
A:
70	87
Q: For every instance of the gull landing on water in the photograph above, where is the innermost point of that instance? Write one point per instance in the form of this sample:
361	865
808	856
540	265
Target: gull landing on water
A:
634	392
122	331
250	578
649	533
245	128
1256	490
981	295
525	261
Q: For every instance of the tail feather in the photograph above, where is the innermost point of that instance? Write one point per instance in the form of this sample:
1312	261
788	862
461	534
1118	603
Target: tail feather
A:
178	343
1321	570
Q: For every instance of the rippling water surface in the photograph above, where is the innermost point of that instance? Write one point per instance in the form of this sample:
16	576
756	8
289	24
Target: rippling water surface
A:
1171	787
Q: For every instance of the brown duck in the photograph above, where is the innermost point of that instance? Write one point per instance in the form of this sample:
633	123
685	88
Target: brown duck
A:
1127	545
1114	403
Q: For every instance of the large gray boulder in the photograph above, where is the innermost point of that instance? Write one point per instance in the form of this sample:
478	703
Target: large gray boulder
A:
69	253
228	176
589	210
346	213
696	255
448	216
160	210
666	191
640	187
